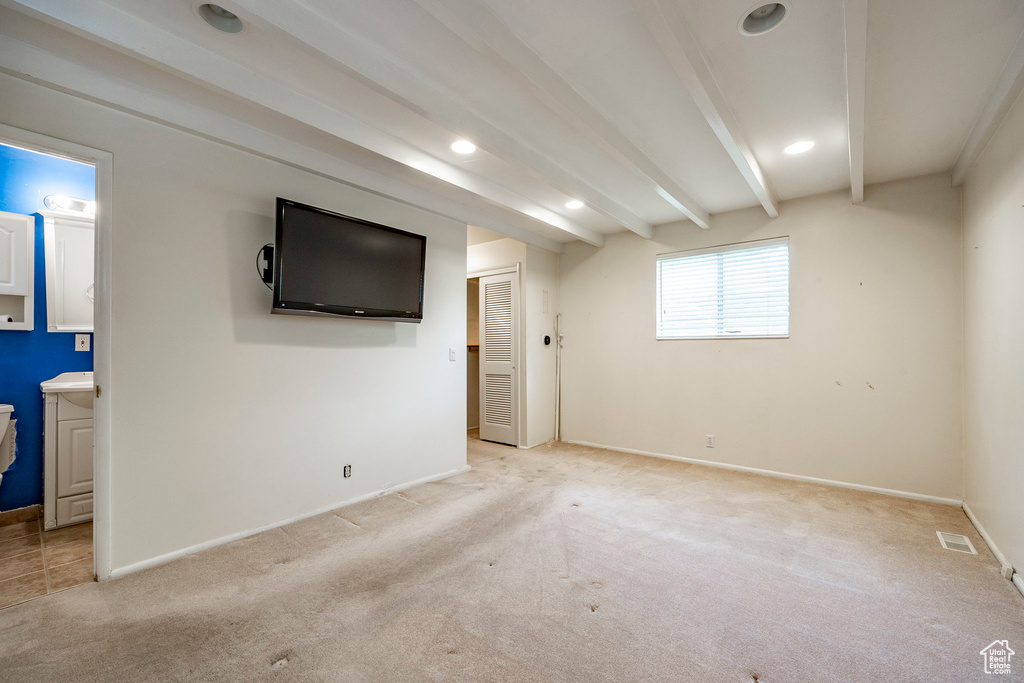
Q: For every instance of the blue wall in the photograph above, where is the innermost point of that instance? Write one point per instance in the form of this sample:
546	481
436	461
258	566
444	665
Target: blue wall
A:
28	358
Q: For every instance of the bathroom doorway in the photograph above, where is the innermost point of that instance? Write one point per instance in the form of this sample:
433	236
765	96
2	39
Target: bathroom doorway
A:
54	327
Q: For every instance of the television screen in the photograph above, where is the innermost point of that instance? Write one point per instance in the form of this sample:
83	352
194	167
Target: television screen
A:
329	264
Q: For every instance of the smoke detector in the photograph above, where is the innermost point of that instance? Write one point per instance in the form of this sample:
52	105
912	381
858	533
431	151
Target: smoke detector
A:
763	17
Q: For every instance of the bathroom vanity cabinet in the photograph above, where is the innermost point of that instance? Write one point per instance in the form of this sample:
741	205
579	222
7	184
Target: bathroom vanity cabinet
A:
68	449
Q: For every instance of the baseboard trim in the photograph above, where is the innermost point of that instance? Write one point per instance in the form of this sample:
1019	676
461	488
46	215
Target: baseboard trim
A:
779	475
1017	580
206	545
984	534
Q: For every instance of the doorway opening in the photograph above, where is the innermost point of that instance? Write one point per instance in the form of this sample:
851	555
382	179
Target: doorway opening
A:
54	356
494	360
516	303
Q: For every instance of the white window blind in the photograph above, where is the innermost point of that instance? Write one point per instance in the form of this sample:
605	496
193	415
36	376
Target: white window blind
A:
739	290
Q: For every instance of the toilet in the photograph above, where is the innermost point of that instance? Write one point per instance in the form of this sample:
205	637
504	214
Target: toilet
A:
6	444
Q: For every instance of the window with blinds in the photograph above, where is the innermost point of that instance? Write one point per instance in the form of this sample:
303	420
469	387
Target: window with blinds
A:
739	290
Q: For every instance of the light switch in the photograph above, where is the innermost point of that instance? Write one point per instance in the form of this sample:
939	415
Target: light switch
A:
451	355
82	342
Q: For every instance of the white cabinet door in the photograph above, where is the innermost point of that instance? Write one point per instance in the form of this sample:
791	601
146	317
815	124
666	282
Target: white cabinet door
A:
17	234
70	243
74	457
74	509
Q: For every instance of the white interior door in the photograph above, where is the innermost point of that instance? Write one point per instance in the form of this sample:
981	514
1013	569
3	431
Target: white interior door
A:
499	352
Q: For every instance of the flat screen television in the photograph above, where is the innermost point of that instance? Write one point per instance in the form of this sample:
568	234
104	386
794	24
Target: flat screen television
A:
326	263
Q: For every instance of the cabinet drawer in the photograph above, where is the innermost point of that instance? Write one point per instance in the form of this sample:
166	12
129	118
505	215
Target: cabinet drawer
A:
74	509
74	457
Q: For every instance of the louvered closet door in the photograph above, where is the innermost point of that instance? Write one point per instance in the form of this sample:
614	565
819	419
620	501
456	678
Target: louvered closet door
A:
499	350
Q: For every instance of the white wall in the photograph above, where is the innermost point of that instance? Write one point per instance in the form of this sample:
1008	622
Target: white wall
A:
226	418
495	254
994	337
541	277
866	390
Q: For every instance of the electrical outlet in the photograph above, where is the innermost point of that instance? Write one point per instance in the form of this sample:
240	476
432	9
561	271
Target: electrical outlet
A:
451	355
348	471
82	342
709	440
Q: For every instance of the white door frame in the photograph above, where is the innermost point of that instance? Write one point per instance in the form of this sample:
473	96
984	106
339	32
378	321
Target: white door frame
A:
492	271
103	162
521	352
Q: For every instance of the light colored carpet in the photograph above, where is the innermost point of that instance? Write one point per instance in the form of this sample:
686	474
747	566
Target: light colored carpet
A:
561	563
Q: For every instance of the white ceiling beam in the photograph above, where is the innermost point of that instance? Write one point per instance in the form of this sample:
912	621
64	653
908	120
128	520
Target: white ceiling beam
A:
475	24
403	84
855	28
154	45
687	59
1005	93
32	63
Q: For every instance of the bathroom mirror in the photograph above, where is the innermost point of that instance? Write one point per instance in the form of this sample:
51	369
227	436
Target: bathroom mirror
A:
69	241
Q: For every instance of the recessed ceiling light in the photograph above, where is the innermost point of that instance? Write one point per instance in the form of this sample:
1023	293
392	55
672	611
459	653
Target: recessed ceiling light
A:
574	204
763	18
463	147
220	18
798	147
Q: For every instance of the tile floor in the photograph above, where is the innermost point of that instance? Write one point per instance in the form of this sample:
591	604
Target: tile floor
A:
34	562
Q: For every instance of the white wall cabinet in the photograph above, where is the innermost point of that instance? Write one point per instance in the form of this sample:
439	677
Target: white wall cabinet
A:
70	243
17	251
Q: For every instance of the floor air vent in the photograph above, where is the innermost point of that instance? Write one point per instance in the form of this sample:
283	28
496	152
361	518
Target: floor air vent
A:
956	542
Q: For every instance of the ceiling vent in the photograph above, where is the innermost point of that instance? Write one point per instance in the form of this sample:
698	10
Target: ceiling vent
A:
219	18
956	542
763	18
